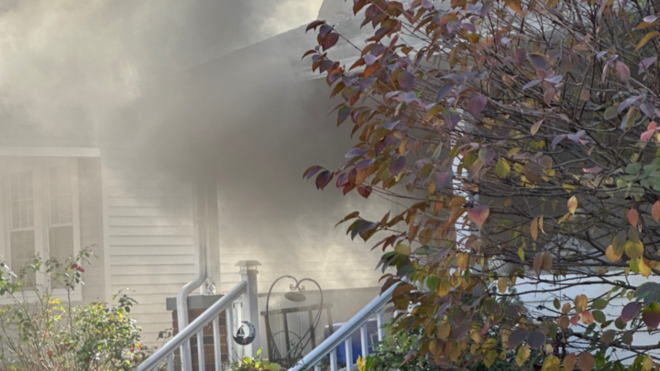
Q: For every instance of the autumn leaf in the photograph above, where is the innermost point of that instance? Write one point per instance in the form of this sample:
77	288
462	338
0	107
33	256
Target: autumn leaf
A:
444	287
633	217
644	267
586	361
634	250
443	331
655	211
622	71
611	255
462	259
572	204
581	302
479	214
535	127
534	228
538	263
651	315
585	95
569	362
547	262
646	39
477	104
630	311
647	365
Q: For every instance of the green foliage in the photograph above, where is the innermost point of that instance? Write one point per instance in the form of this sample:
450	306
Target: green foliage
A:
42	331
254	364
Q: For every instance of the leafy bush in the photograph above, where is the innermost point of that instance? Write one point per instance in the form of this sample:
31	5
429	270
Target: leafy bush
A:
40	331
520	138
254	364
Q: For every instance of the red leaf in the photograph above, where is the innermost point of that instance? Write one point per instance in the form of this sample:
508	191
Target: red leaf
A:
623	71
630	311
538	61
479	214
314	25
517	337
329	40
312	51
311	171
477	104
397	165
406	80
633	217
651	315
348	187
364	191
323	179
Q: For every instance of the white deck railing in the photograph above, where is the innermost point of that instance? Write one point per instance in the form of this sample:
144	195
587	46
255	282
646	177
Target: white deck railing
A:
344	335
182	340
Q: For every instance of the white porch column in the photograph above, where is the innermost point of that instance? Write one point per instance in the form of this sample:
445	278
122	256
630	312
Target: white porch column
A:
248	269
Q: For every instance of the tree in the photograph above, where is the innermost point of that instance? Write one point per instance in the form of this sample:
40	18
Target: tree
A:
519	135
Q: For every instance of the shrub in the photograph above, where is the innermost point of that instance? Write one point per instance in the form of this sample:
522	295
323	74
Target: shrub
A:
40	331
520	137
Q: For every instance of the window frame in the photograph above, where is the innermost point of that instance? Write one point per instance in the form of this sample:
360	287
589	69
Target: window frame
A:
40	169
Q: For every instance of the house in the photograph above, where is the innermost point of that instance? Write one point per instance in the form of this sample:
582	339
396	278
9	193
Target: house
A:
212	157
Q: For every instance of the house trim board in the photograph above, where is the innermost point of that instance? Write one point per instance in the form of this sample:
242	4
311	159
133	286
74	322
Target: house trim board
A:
49	152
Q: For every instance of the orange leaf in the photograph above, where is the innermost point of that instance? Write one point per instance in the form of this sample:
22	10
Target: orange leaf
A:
534	228
655	211
633	217
646	39
587	318
611	255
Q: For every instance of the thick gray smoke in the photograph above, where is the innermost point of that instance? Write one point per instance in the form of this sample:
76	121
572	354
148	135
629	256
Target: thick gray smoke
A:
87	58
170	78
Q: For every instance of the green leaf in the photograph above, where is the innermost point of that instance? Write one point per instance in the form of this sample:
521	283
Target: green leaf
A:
599	316
432	282
599	304
502	168
610	113
521	254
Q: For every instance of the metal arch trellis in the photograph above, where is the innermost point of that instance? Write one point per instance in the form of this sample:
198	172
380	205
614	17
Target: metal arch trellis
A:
294	352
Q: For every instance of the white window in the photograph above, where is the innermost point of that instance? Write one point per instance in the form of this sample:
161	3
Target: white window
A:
40	212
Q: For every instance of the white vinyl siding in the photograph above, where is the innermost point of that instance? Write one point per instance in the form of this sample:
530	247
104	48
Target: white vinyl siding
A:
150	236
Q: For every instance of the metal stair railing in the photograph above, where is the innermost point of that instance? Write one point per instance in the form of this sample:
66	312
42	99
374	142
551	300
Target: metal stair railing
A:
344	335
196	328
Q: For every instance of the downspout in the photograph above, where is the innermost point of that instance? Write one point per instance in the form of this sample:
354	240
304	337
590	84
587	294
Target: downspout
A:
198	279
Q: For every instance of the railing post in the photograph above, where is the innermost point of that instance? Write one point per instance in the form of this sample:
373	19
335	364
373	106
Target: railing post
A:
249	272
